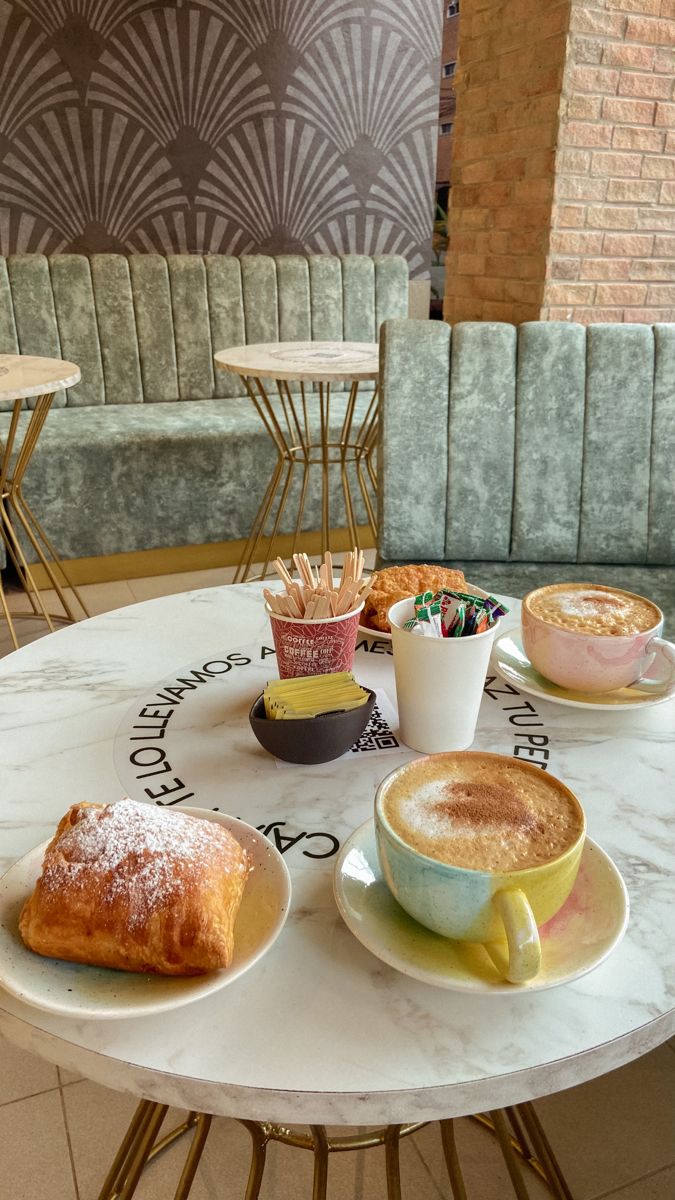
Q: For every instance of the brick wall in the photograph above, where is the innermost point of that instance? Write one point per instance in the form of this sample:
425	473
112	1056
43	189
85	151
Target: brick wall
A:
612	247
508	86
563	201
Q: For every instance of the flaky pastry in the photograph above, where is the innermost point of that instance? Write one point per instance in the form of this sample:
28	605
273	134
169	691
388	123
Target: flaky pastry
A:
139	888
397	583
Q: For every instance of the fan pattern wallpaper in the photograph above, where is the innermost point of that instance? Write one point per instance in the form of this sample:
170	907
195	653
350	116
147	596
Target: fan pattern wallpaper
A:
219	126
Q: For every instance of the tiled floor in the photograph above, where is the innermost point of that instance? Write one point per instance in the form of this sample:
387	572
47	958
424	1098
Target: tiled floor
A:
614	1137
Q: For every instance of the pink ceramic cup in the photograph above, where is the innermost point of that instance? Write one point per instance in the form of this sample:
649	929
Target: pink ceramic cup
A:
594	662
314	647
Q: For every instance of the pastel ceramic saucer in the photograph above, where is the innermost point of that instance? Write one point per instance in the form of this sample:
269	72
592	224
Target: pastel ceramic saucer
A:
577	939
511	662
77	990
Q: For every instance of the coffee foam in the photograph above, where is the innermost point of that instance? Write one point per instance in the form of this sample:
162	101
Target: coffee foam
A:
482	813
588	608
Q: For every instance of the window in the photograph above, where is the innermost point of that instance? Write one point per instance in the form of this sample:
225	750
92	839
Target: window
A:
449	70
446	127
452	9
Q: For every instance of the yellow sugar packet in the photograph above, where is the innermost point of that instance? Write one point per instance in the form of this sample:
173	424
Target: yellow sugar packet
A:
312	695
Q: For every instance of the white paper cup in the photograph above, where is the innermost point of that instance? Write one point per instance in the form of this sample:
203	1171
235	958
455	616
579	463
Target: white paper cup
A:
439	683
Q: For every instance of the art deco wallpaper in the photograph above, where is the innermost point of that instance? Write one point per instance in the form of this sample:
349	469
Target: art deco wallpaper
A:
219	126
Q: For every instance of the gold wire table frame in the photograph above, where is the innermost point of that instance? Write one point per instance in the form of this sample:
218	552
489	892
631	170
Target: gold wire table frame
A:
286	415
16	517
518	1131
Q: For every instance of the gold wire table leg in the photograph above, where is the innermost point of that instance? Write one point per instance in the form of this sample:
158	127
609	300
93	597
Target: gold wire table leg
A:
320	1178
141	1151
451	1157
259	1140
508	1154
115	1176
8	617
392	1140
203	1125
24	572
544	1151
12	498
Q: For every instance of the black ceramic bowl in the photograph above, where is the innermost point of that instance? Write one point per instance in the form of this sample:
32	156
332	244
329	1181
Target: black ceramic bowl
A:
311	739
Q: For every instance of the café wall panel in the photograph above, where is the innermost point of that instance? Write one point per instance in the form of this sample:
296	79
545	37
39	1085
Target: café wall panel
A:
617	444
662	492
481	446
414	391
551	379
220	126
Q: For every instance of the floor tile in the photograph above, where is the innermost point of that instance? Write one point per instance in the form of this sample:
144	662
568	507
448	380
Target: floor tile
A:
35	1163
68	1077
660	1186
103	597
22	1074
187	581
615	1129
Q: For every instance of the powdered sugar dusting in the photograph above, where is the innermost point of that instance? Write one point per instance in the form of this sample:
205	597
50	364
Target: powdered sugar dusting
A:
147	854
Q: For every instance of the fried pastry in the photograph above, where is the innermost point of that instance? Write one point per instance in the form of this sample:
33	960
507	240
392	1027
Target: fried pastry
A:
396	583
139	888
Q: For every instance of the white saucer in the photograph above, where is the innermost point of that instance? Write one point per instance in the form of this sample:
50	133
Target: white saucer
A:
511	662
576	940
82	991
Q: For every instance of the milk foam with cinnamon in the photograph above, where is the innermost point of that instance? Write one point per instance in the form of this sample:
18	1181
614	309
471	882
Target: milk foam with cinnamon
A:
593	608
480	813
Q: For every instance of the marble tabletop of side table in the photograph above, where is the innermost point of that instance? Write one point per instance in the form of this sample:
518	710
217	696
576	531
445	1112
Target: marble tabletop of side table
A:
320	1029
23	375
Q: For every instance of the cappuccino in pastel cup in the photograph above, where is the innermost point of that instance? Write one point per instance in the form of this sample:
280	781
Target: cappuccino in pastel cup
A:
480	848
592	638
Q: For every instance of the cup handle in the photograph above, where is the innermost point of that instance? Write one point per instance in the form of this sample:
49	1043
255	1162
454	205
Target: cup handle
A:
663	649
522	935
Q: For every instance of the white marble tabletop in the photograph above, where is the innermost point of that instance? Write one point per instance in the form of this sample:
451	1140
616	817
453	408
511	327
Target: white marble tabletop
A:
320	1029
326	362
29	375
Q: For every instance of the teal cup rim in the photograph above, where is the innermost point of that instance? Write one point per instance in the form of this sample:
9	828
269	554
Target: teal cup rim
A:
450	867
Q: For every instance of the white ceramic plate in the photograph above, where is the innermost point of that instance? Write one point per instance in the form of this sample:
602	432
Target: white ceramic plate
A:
511	662
577	939
375	633
82	991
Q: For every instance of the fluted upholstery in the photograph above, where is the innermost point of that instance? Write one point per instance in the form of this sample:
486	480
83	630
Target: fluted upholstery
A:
530	454
155	447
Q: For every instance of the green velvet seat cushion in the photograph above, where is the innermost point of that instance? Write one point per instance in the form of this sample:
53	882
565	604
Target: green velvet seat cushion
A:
116	478
518	578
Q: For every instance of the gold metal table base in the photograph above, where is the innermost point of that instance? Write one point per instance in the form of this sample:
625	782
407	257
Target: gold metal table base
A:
287	423
16	515
518	1131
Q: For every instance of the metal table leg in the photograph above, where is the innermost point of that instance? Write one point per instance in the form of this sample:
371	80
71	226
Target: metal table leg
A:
17	516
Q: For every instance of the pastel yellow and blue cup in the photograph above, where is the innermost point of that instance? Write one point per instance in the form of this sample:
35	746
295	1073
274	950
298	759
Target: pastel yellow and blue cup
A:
489	907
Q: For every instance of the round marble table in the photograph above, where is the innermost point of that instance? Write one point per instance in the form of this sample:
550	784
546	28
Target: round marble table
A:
320	1029
22	377
286	418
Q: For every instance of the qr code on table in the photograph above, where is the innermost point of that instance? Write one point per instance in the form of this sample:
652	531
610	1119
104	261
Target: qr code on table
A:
378	737
378	734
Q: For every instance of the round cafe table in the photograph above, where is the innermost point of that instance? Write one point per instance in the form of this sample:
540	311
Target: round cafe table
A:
321	1030
32	379
289	383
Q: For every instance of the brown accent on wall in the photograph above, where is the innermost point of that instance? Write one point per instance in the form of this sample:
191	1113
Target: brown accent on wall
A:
219	126
563	199
508	82
612	248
